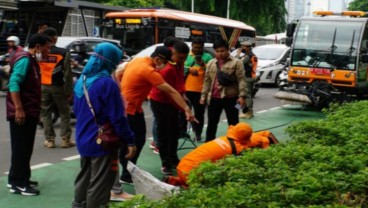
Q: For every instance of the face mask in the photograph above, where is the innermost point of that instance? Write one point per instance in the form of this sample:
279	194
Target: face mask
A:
161	66
38	56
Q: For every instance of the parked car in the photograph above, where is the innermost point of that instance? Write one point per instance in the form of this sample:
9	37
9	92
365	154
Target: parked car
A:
271	61
90	42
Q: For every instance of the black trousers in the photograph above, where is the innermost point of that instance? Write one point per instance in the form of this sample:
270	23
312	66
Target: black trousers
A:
214	113
138	126
22	139
199	111
167	118
95	180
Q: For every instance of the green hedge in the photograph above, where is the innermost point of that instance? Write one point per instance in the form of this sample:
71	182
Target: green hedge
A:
325	164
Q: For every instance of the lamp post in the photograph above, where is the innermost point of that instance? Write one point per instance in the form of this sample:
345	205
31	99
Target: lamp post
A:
192	6
228	9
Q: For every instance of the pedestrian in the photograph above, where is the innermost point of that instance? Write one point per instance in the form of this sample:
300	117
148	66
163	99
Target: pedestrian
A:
98	166
57	92
250	62
224	88
237	139
140	75
166	112
169	42
195	68
23	103
13	43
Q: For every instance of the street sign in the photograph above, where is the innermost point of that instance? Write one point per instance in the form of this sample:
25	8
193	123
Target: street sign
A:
182	32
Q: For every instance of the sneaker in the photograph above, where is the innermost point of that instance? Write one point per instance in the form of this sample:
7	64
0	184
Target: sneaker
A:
126	180
120	197
31	184
26	191
152	145
166	170
156	151
49	143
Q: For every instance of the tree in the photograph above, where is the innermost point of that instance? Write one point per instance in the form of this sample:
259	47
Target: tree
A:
359	5
267	16
131	3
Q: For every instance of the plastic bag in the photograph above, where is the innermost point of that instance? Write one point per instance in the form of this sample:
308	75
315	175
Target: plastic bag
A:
148	185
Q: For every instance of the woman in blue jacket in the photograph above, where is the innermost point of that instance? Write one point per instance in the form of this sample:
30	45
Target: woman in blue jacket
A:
99	167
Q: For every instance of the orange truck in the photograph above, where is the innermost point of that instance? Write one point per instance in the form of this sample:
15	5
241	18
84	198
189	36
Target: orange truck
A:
329	59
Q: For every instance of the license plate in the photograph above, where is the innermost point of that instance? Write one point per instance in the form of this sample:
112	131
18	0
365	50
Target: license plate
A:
320	71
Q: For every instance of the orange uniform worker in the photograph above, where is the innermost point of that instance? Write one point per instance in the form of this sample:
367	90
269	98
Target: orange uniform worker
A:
242	137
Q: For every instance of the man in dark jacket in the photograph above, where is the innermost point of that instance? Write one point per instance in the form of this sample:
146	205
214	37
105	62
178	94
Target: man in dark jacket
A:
56	88
23	111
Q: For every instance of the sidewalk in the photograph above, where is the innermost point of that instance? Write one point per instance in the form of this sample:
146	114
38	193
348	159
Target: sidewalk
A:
56	180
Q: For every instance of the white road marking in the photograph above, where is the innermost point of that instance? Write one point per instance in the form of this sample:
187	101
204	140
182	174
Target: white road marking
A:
40	165
71	158
275	108
262	111
35	167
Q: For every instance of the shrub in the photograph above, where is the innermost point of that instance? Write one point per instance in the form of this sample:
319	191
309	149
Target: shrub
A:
325	164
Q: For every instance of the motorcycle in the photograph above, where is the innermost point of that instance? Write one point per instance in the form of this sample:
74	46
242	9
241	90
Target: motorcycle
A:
4	72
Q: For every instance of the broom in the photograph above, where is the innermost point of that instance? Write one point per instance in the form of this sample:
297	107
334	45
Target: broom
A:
292	98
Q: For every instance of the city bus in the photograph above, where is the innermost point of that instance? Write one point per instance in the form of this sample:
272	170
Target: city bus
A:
329	58
140	28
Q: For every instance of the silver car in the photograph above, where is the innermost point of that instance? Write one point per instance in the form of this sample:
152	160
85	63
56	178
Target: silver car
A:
271	61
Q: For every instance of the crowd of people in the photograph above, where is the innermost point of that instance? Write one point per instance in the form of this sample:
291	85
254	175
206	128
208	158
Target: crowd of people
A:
176	79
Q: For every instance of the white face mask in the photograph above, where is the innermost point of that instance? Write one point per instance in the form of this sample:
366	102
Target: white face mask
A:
38	56
161	66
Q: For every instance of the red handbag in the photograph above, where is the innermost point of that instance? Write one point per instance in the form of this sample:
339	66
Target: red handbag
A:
107	137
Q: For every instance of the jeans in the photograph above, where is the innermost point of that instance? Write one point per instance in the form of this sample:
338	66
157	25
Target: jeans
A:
214	113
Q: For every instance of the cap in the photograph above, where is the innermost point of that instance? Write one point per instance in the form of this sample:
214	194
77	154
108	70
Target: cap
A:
241	132
162	52
246	43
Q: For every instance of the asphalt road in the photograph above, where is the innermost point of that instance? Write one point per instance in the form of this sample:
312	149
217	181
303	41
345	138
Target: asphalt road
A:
42	156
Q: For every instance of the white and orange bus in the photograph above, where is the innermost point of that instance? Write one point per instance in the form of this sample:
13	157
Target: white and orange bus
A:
139	28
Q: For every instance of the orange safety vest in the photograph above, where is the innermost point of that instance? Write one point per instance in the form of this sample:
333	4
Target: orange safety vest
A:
47	67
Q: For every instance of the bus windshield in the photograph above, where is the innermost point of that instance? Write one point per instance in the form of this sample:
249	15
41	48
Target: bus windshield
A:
138	29
327	44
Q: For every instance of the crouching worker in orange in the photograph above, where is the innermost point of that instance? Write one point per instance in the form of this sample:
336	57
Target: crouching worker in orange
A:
238	138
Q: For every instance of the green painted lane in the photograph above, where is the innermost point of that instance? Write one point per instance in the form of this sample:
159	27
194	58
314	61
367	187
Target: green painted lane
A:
56	180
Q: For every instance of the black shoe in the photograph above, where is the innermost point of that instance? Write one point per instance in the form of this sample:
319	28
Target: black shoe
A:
26	191
126	180
175	163
31	184
166	170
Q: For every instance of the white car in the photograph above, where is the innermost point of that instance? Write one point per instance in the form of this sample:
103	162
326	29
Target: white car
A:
271	61
208	48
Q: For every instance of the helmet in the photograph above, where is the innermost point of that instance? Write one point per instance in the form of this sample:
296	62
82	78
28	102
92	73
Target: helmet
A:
15	39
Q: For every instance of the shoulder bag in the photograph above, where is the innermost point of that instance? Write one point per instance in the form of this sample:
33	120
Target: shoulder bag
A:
106	136
223	78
